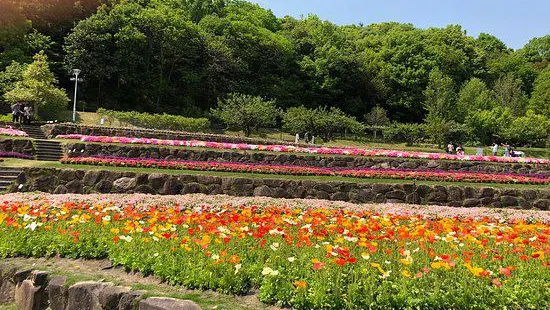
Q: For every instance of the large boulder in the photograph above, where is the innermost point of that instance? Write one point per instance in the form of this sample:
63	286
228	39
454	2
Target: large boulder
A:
31	293
7	285
161	303
58	294
125	184
85	296
263	191
110	296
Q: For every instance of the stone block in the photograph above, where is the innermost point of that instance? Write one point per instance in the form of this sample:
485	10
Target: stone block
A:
110	296
85	296
124	185
161	303
58	294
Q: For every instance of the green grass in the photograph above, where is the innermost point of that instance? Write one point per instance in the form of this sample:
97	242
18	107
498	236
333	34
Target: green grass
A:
9	307
57	165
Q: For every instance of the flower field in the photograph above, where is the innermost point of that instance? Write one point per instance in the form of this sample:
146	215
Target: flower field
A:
12	132
306	150
445	176
304	254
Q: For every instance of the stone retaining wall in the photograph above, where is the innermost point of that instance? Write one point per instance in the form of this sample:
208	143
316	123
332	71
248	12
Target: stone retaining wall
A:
155	152
24	146
37	290
52	130
104	181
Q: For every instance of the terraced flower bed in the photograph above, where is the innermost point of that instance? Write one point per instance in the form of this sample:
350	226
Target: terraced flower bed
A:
304	150
303	254
12	132
445	176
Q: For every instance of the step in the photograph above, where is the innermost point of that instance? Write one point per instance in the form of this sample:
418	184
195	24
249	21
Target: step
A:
9	174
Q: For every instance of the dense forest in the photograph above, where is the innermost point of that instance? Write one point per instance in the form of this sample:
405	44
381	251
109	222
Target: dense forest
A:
180	56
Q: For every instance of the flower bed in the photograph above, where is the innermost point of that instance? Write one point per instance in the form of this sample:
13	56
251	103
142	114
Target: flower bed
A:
306	257
444	176
299	149
15	155
12	132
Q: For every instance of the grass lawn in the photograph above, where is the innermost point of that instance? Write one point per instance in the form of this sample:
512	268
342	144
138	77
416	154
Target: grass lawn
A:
48	164
9	307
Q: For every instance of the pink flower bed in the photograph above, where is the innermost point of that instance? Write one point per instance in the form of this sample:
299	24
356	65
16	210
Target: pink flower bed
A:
307	150
194	201
444	176
12	132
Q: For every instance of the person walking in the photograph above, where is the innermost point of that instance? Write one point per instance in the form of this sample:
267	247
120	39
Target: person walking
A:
450	148
495	149
28	114
15	111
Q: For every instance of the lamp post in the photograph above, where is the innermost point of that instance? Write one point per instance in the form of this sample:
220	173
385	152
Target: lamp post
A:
76	72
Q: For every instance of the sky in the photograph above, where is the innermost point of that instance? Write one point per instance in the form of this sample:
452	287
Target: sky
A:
514	22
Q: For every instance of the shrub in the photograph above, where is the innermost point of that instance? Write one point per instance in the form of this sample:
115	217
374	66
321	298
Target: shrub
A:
408	133
158	121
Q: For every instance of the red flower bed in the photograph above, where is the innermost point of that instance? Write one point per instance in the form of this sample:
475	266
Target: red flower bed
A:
445	176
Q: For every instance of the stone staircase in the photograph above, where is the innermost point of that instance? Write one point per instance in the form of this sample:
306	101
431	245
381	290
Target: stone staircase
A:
34	131
8	175
45	149
48	150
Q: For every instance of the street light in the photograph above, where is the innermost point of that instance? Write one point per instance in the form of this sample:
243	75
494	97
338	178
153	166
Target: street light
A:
76	72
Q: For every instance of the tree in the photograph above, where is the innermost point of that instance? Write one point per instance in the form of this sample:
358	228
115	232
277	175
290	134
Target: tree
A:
38	87
377	117
529	130
508	93
487	126
246	113
537	51
326	123
474	95
540	98
10	76
440	102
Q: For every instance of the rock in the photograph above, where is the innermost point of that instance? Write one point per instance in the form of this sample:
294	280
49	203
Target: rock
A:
7	286
364	195
109	297
323	187
57	293
21	275
423	190
542	204
44	183
469	192
144	189
470	203
104	186
39	278
381	188
322	195
487	192
263	191
455	193
509	201
124	184
161	303
85	296
91	177
75	187
191	188
413	198
396	195
30	297
529	195
171	187
128	301
339	196
380	198
67	175
433	164
157	180
61	189
280	193
437	196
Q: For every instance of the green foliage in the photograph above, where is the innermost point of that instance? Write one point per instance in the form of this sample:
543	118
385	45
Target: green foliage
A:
158	121
246	113
38	87
486	126
474	95
378	116
537	51
508	93
411	134
540	99
326	123
529	130
441	106
12	74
